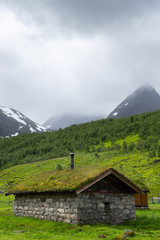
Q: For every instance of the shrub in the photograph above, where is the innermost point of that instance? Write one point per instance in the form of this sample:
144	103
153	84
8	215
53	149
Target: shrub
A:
59	167
96	155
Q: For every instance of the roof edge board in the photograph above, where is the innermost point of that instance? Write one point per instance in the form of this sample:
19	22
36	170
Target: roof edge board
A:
118	175
104	174
128	182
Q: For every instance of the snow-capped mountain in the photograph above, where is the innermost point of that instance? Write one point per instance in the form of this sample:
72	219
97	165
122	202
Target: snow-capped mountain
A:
143	99
12	123
64	121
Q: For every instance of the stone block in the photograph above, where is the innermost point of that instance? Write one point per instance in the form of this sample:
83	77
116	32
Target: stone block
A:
60	210
74	210
112	206
54	218
126	211
120	206
67	221
85	195
62	215
73	216
66	210
87	205
50	210
81	205
128	207
60	219
20	208
66	205
61	204
57	204
74	204
100	205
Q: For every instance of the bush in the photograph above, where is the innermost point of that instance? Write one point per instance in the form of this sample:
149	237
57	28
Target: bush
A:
59	167
96	155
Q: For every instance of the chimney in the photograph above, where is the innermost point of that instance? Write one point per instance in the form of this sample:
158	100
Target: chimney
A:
72	161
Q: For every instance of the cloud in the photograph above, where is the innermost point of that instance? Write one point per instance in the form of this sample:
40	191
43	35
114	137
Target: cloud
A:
80	17
76	56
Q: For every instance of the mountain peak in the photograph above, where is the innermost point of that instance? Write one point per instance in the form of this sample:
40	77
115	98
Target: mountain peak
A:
12	123
143	99
145	87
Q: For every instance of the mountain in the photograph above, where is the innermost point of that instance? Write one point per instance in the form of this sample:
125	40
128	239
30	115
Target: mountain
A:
64	121
12	123
142	100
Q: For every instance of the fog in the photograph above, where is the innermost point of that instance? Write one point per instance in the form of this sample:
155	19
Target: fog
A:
84	57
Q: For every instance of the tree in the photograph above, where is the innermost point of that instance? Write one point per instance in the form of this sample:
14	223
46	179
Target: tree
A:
125	147
158	151
152	153
59	167
131	146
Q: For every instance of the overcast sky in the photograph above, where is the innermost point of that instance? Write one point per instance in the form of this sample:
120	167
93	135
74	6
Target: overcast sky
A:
76	56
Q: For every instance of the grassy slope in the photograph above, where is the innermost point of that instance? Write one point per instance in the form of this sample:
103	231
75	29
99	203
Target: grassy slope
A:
135	165
17	228
83	137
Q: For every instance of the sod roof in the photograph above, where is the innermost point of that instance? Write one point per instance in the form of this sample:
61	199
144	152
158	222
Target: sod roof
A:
68	180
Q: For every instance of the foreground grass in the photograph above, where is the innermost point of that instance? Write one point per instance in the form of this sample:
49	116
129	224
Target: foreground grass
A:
147	226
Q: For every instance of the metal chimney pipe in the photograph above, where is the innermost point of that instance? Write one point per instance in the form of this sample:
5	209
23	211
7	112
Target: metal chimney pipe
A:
72	161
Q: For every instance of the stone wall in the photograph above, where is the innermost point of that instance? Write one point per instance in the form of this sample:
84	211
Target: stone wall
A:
85	208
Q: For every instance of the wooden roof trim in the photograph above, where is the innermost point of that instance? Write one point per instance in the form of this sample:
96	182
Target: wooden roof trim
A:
118	175
100	177
127	181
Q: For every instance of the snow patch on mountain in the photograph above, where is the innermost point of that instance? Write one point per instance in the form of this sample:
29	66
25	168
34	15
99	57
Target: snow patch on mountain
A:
31	129
13	122
115	114
13	135
40	128
10	113
20	127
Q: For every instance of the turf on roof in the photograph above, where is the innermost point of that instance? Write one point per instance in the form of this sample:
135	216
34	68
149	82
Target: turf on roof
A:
61	180
58	180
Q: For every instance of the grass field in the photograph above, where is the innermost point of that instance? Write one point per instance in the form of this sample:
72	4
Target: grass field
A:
147	226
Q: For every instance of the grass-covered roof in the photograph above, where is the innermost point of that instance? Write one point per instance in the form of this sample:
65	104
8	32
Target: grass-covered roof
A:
60	180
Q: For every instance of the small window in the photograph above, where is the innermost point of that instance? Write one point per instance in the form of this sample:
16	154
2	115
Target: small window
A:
107	205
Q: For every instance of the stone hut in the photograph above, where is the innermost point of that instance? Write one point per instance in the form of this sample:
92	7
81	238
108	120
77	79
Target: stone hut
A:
79	196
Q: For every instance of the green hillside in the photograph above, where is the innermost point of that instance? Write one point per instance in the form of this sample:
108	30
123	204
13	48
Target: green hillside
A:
141	133
135	166
130	145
